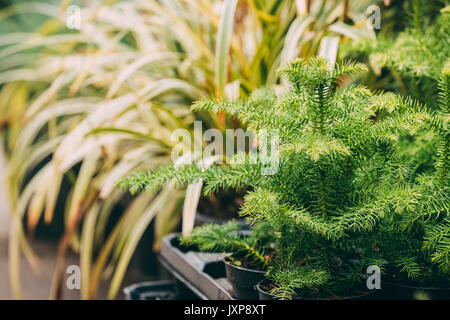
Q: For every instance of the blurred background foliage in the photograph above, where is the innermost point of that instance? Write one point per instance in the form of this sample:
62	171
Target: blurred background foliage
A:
80	109
408	57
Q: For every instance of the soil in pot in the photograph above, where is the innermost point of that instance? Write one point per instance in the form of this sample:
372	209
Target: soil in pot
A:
243	280
263	289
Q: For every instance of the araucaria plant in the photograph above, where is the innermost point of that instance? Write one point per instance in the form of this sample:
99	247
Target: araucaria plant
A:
422	251
341	184
250	251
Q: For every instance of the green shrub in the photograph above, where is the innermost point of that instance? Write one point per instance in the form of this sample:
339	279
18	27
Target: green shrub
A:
341	186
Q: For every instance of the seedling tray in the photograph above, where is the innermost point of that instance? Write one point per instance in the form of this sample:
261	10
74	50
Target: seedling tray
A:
203	273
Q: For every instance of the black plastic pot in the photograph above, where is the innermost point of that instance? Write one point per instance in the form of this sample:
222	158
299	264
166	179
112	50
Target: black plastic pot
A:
396	291
158	290
264	295
243	281
152	290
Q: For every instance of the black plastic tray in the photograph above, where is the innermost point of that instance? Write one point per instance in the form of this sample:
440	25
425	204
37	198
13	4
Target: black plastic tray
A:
203	273
158	290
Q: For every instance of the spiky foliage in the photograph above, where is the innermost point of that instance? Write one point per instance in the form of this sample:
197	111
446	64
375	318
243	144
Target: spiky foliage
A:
290	277
410	62
340	185
418	58
431	224
419	51
251	250
414	56
443	152
114	91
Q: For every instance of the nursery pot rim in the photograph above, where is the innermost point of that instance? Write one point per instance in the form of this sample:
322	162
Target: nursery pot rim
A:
243	280
401	285
258	287
231	265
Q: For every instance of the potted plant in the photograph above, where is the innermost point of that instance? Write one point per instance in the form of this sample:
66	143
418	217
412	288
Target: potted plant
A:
339	177
417	58
247	253
417	243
